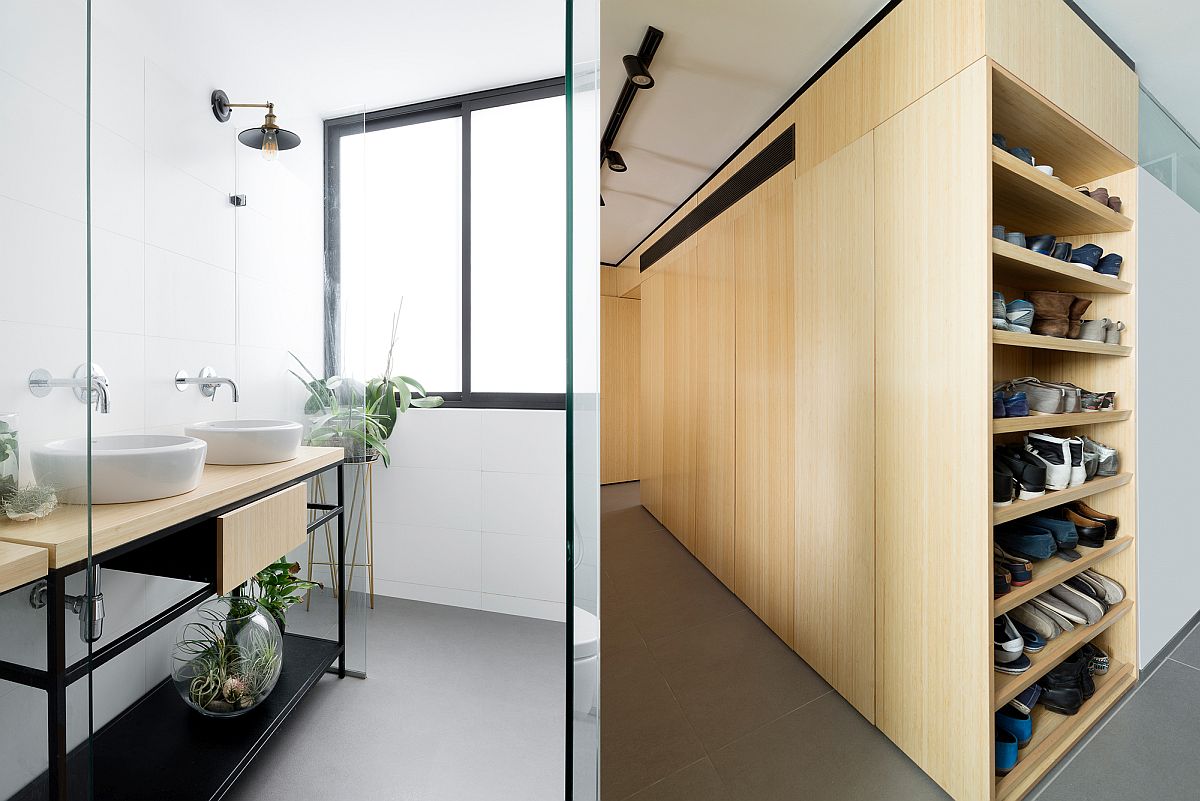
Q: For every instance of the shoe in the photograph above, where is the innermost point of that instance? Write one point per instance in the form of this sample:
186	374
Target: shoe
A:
998	403
1027	699
1006	752
1110	265
1093	330
1090	401
1108	400
1028	472
1091	533
1050	312
1037	620
1075	316
1004	486
1087	255
1084	586
1015	238
1020	316
999	313
1054	453
999	141
1007	643
1024	154
1114	203
1078	473
1034	642
1083	604
1001	580
1108	462
1062	251
1016	723
1062	686
1114	593
1041	398
1113	335
1100	195
1020	569
1097	659
1042	243
1066	536
1016	405
1112	523
1066	616
1015	667
1024	538
1071	395
998	232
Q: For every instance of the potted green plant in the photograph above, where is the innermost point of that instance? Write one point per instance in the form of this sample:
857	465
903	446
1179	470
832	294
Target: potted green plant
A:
278	587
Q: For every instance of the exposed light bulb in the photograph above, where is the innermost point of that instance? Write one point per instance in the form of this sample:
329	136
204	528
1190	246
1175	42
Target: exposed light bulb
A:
270	145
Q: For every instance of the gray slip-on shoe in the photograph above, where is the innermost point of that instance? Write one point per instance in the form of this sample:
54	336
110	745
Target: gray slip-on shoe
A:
1114	593
1065	615
1042	398
1091	609
1037	620
1094	330
1109	464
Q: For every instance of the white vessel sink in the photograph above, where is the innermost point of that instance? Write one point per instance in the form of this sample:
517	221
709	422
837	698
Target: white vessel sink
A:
135	467
248	441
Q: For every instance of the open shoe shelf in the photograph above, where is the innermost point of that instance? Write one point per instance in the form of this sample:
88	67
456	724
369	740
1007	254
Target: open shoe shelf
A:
1026	200
1007	687
1041	422
1019	340
1054	571
1052	498
1054	734
1021	267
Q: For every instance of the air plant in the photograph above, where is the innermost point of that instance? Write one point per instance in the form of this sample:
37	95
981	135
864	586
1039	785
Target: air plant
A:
227	663
30	503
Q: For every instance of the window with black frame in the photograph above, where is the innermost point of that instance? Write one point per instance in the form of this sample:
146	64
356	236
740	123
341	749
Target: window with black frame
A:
455	208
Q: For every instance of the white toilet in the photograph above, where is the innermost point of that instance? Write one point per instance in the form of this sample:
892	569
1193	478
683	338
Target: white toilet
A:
587	660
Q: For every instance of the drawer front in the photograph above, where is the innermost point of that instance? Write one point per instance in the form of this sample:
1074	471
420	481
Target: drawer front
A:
250	538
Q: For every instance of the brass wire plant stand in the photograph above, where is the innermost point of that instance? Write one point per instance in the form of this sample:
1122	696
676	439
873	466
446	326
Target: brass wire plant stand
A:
360	516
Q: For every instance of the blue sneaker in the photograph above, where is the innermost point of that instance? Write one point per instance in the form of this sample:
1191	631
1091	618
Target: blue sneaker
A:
1027	699
1006	752
1110	265
999	320
1016	723
1020	316
998	405
1034	642
1016	405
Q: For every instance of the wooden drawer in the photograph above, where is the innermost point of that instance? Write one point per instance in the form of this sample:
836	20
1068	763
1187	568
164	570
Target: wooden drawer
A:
250	538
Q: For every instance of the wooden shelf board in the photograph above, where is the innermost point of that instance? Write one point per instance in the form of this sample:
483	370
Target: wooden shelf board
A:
1053	571
1007	686
1021	267
1054	735
1039	422
1018	340
21	564
1026	200
1018	509
1027	119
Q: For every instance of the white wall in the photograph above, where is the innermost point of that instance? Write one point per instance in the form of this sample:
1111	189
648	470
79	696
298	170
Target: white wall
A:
1168	283
472	510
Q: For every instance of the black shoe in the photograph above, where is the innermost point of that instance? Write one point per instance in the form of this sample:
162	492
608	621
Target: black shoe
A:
1025	468
1004	486
1068	685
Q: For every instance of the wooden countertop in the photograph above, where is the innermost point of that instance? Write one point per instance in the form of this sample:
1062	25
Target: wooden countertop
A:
64	534
20	564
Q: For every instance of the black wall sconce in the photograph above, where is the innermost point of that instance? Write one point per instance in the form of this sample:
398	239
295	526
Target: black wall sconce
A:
268	138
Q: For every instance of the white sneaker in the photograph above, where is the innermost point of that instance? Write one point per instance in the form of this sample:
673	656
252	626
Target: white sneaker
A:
1054	454
1078	471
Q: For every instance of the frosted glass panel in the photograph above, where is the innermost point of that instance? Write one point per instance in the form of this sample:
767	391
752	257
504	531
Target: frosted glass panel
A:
400	237
1167	152
518	242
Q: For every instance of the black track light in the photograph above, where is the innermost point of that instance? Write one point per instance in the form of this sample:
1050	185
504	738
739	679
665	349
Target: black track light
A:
615	162
639	76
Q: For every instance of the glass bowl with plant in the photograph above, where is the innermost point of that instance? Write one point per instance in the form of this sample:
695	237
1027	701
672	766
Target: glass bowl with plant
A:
227	660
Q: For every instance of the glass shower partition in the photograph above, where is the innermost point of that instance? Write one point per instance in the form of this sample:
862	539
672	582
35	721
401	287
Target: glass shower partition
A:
583	400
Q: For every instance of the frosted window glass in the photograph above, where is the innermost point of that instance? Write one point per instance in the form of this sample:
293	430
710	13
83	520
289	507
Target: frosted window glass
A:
401	235
518	247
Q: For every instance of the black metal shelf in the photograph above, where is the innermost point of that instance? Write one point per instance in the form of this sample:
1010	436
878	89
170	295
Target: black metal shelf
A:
160	748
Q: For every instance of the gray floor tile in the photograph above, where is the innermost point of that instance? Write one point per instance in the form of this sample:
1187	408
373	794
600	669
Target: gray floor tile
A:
1188	651
700	664
614	497
617	632
644	735
696	782
1148	750
824	751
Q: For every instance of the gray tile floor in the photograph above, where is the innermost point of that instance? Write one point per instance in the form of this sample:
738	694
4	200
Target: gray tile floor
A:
459	705
700	701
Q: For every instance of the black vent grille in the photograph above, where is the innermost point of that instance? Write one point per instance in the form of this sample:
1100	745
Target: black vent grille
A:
773	158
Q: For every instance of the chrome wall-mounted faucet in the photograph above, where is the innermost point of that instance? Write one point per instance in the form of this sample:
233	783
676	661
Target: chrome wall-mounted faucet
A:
208	381
91	386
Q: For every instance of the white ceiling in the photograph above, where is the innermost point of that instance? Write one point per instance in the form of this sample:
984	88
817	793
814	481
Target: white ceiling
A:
722	70
333	57
1160	36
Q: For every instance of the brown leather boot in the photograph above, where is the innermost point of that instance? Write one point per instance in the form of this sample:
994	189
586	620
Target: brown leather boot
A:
1051	312
1075	315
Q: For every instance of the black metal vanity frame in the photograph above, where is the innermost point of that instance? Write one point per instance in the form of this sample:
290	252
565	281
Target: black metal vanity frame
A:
174	746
